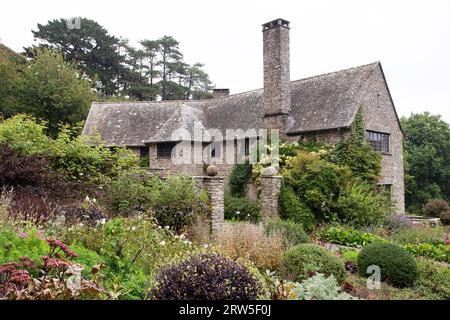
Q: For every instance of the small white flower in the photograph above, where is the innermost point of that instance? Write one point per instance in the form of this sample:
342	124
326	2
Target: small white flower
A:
133	228
162	243
205	246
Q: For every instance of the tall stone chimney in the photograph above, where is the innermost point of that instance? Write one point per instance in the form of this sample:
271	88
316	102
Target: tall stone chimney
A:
277	92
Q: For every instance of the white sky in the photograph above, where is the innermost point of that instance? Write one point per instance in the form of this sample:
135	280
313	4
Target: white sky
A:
410	38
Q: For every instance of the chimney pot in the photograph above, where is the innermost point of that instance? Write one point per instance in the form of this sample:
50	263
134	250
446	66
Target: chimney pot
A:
221	93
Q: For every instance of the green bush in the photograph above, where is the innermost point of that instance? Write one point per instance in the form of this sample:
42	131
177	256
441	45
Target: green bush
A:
359	204
26	243
445	218
433	281
438	252
241	209
293	232
435	207
348	236
301	261
128	193
176	203
397	266
240	174
319	287
293	209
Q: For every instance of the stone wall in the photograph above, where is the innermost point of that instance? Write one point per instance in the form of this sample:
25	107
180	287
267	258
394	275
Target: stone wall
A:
215	188
270	190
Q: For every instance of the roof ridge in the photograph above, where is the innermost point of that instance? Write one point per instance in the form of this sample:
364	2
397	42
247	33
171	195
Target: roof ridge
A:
338	71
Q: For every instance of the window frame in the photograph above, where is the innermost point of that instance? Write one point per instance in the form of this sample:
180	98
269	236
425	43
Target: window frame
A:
162	150
379	141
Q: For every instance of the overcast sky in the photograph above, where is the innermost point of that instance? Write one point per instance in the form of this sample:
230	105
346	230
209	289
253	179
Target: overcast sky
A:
410	38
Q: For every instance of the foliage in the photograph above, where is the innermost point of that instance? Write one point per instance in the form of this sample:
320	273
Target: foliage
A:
316	182
78	158
155	69
17	169
303	260
396	265
348	236
133	250
291	231
445	218
88	212
435	207
428	154
241	209
206	277
292	208
52	89
240	174
128	193
357	154
360	204
438	252
424	234
434	280
53	277
248	241
319	287
176	203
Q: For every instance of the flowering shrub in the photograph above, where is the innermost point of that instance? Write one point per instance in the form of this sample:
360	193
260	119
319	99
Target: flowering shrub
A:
241	209
293	232
206	277
55	278
348	236
438	252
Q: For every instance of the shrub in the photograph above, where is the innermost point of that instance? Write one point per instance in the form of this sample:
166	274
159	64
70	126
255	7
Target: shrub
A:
435	207
438	252
240	174
303	260
319	287
445	218
291	231
360	205
176	203
397	266
348	236
128	193
434	280
241	209
293	209
87	211
249	241
206	277
423	234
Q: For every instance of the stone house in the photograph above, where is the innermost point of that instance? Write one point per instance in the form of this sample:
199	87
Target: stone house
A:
224	129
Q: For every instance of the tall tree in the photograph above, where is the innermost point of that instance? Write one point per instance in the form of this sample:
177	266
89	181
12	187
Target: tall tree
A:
428	159
52	89
91	46
170	56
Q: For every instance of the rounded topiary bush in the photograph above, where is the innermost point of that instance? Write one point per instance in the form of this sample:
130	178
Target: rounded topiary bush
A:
292	232
397	266
445	218
435	207
304	260
206	277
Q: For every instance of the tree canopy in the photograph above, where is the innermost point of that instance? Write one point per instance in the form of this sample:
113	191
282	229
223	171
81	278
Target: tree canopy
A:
154	71
427	156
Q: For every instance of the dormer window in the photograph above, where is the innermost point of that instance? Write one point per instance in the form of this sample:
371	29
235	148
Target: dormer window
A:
379	141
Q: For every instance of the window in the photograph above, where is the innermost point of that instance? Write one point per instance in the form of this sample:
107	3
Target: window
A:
247	146
164	150
379	141
143	152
